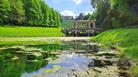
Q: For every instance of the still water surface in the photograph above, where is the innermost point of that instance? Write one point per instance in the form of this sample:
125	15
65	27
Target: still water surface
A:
13	64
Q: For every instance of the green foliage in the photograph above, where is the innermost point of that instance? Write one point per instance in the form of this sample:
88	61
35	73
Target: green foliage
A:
126	39
33	12
17	13
134	71
28	12
67	23
115	13
4	11
87	17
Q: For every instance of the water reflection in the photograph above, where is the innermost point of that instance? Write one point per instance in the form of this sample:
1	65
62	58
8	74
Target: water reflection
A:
64	46
28	61
13	64
63	65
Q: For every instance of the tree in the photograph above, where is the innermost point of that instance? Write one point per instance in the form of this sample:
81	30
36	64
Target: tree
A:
115	13
50	17
58	19
101	12
80	17
87	17
4	11
44	9
127	11
28	12
17	13
33	12
53	17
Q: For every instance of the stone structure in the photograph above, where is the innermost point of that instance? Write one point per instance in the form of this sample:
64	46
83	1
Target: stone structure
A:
82	27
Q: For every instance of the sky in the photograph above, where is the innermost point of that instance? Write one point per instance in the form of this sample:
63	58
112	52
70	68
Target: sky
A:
71	7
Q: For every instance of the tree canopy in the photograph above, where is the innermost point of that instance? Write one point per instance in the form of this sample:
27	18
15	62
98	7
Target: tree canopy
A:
115	13
28	12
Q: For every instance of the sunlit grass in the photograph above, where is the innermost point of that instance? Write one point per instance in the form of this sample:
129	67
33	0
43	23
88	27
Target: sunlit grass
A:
126	39
134	71
28	35
30	32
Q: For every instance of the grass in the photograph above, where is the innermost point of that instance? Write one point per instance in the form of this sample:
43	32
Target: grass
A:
124	39
28	35
30	32
134	71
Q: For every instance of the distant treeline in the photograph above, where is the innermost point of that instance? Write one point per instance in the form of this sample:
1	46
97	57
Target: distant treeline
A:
28	12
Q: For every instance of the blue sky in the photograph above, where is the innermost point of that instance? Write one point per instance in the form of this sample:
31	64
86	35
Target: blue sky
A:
71	7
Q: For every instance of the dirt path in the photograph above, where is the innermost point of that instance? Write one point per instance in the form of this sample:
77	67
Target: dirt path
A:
11	39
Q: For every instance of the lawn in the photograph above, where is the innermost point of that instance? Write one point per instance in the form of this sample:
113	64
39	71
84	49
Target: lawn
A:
29	35
30	32
124	39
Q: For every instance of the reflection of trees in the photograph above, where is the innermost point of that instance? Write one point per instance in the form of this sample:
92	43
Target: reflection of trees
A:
12	68
15	68
33	66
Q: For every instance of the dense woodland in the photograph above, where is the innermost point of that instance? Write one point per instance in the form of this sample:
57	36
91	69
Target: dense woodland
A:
115	13
28	12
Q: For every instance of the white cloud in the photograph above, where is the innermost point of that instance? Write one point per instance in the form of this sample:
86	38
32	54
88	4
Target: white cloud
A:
68	13
78	1
88	12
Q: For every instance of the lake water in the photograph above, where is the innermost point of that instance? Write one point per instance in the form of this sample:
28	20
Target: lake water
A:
13	64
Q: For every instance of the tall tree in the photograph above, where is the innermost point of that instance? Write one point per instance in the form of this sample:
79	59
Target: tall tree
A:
102	7
115	13
50	17
33	12
28	12
44	9
58	19
4	11
127	11
17	14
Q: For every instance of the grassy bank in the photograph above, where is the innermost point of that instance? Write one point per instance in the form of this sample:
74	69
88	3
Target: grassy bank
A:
124	39
30	32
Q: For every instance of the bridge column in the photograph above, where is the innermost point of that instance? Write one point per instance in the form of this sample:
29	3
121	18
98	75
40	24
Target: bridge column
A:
77	27
89	26
94	27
